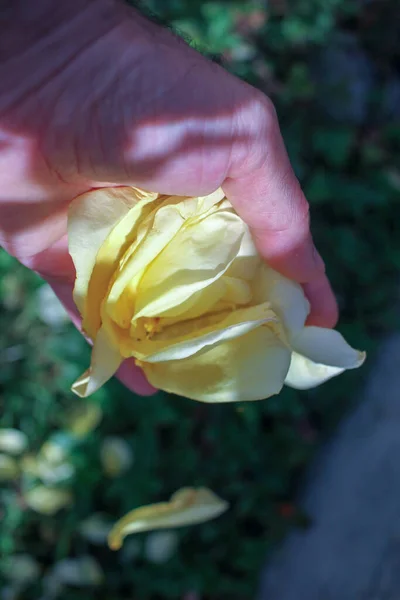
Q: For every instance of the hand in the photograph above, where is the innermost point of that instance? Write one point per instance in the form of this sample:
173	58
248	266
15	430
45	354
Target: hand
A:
92	94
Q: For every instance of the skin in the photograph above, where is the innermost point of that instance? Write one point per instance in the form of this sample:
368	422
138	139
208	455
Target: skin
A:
92	94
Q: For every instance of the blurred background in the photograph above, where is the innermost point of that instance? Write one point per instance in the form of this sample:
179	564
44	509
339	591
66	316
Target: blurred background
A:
70	467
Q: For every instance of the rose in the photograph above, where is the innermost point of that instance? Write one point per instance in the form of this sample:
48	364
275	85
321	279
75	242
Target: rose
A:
177	284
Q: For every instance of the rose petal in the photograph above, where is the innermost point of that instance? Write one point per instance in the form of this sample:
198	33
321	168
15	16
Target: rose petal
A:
320	354
171	218
286	297
91	220
247	261
186	507
116	456
83	418
104	363
250	367
193	260
46	500
9	469
305	374
159	233
13	441
187	338
326	347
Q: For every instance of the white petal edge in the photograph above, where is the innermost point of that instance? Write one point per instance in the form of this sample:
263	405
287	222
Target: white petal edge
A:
326	347
305	374
286	297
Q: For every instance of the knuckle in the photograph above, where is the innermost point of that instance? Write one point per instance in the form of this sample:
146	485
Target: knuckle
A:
293	215
296	212
270	114
255	122
266	116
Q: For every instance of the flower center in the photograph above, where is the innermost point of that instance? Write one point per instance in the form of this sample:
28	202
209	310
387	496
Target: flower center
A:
151	326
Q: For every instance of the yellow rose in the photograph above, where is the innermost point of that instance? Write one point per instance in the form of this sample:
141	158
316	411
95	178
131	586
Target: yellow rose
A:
177	284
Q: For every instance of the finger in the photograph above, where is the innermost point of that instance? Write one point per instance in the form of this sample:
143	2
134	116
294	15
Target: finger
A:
324	306
266	194
134	378
53	264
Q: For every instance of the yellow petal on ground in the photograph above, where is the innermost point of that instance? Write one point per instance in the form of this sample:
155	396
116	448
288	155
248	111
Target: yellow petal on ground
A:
91	217
9	469
46	500
13	441
116	456
187	506
250	367
104	363
83	419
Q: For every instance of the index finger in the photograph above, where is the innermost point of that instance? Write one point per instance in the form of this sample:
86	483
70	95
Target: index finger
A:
264	190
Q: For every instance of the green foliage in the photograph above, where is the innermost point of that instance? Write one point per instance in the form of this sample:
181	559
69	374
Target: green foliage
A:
251	455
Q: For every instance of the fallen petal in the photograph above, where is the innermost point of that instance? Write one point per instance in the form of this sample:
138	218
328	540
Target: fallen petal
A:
9	469
13	441
46	500
187	506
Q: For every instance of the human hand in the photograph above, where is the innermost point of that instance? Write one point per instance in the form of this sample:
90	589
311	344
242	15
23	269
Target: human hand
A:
92	94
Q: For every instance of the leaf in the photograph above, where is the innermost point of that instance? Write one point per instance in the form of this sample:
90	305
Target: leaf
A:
187	506
334	144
